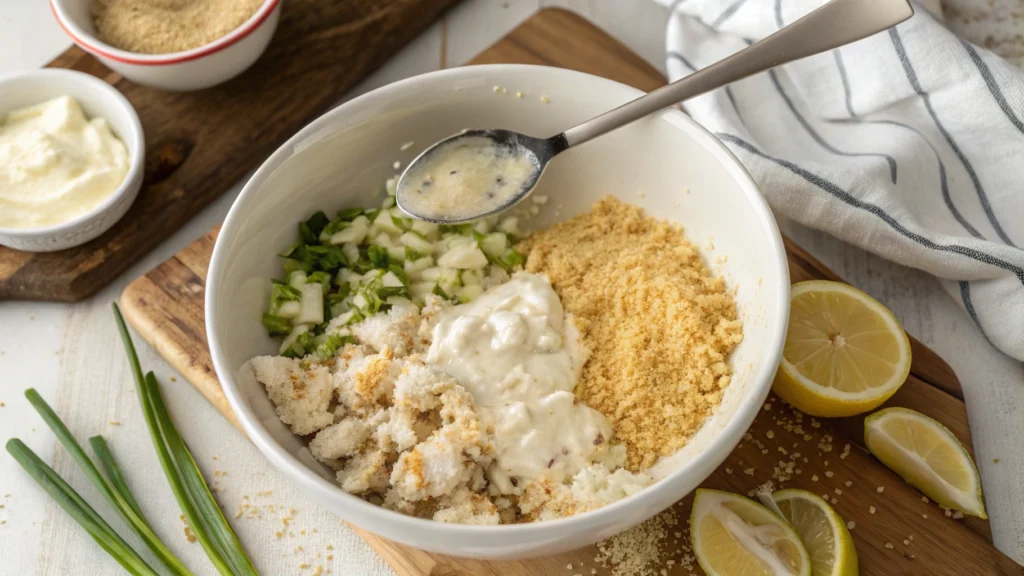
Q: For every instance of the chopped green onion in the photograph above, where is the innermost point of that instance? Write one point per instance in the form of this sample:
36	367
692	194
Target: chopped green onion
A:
276	325
349	213
322	277
197	504
309	231
379	256
79	509
134	520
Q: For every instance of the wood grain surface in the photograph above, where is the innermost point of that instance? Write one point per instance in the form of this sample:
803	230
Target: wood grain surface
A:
199	144
166	307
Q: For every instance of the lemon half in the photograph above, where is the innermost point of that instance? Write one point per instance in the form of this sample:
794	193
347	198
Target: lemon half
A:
927	455
735	536
845	352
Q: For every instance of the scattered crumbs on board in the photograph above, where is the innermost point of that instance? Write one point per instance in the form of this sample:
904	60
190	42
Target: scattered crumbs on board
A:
648	549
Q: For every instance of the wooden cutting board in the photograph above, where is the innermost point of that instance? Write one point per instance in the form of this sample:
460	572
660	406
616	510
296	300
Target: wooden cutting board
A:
166	307
199	144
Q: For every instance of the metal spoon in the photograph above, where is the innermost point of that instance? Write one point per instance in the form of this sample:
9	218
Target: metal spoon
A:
835	24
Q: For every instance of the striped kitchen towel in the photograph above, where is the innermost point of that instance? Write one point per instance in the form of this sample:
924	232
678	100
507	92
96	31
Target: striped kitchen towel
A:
909	144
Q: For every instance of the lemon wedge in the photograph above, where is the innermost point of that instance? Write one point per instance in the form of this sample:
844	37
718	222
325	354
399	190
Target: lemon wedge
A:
927	455
845	353
822	531
735	536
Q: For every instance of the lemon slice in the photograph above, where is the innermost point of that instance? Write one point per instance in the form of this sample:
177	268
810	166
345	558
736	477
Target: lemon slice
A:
734	536
845	353
822	531
927	455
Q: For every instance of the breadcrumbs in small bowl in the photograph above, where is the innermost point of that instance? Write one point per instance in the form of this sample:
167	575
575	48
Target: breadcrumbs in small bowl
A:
176	45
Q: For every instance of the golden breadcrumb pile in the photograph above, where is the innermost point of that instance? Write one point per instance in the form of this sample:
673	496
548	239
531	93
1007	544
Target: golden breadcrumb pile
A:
658	325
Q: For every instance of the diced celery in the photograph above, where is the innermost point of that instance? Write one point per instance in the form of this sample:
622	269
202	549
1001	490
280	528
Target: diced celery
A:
449	280
360	301
482	226
390	280
421	289
416	242
289	343
471	278
384	223
467	293
351	252
312	304
353	234
432	274
463	256
320	277
509	225
345	275
276	325
494	244
414	268
400	219
329	344
512	259
428	230
296	279
280	296
289	309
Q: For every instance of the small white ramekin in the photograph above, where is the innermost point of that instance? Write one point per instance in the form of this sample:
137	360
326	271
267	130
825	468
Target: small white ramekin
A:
195	69
98	99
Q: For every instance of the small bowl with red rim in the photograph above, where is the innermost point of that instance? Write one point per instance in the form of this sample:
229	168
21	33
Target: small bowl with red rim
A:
195	69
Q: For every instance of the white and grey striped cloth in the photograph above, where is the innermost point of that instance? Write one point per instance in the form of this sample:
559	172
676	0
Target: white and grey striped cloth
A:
909	144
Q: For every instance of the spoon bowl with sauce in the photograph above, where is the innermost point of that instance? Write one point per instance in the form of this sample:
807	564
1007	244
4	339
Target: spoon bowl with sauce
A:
479	173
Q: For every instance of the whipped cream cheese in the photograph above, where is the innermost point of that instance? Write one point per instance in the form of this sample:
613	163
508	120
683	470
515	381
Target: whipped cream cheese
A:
55	164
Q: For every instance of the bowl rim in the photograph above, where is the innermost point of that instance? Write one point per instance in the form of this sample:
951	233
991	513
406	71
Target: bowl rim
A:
135	138
90	43
358	509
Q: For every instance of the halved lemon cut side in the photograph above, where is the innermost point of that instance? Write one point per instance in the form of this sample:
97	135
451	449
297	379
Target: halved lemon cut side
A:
735	536
845	352
928	456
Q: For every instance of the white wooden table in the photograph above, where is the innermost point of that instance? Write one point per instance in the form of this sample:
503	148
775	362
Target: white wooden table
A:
72	354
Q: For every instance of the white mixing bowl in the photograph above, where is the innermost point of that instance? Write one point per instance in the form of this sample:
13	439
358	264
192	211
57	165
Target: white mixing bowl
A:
666	163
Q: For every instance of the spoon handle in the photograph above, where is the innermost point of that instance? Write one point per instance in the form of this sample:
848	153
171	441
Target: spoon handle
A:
837	23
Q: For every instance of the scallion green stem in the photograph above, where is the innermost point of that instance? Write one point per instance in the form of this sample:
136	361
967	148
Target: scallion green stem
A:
137	523
79	509
106	458
194	498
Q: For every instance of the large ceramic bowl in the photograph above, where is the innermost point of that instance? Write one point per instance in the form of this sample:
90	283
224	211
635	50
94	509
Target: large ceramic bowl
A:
665	163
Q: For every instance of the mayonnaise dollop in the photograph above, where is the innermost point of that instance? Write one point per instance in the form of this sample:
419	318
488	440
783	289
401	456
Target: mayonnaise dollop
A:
520	358
55	164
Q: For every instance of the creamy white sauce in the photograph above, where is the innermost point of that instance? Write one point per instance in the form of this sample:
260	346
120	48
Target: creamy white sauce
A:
467	177
520	358
55	164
